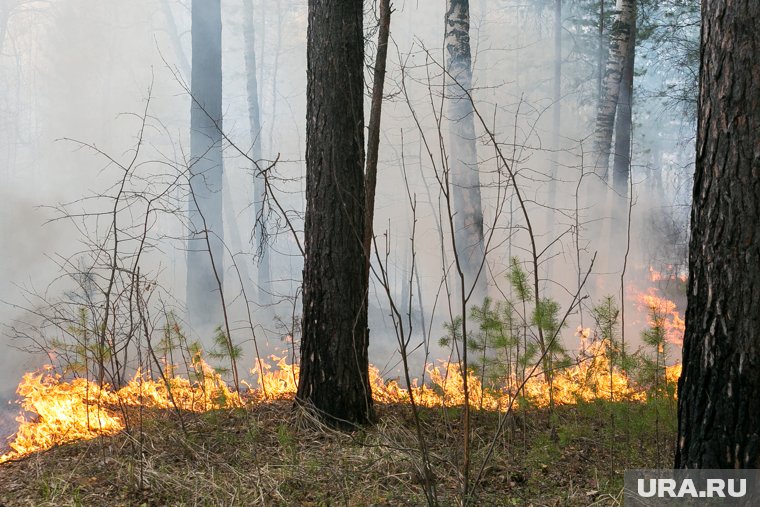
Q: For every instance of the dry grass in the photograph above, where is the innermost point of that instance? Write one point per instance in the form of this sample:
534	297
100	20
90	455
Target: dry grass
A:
272	454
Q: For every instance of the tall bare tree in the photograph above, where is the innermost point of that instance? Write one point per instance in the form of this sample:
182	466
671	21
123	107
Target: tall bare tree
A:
718	405
254	121
204	273
334	379
462	150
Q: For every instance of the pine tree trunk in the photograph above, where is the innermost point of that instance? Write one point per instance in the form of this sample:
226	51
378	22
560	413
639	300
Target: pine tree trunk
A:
718	402
203	303
254	121
620	42
462	152
334	379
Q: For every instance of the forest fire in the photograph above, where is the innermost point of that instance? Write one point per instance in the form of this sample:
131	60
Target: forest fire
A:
658	276
66	411
662	312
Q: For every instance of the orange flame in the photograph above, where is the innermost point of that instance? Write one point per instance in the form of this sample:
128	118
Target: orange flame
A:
665	310
80	410
658	276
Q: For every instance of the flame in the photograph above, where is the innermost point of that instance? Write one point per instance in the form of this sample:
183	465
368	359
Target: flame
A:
589	379
80	410
666	313
673	373
278	383
658	276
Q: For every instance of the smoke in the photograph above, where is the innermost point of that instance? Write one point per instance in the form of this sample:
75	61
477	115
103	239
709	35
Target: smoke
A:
81	69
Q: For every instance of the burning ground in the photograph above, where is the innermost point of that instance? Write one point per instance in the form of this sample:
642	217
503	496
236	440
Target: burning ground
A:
186	438
198	443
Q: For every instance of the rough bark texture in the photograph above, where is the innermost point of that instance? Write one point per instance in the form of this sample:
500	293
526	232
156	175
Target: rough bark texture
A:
620	42
334	377
462	152
718	402
254	121
203	304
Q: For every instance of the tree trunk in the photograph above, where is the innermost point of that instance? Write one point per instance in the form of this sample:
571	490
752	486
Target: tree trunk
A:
254	121
551	201
463	162
718	403
373	144
621	168
171	28
620	43
334	379
203	303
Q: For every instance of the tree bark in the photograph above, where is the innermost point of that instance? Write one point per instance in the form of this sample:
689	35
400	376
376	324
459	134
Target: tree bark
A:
259	192
620	43
718	402
334	378
621	167
462	151
203	303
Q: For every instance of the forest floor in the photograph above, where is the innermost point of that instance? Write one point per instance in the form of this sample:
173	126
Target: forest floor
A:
271	455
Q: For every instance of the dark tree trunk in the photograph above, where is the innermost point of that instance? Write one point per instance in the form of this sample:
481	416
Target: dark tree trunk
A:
463	162
334	377
718	402
203	302
373	144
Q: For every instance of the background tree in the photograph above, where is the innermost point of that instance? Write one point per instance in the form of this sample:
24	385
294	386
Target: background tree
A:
621	40
334	378
718	407
621	160
463	157
254	120
203	306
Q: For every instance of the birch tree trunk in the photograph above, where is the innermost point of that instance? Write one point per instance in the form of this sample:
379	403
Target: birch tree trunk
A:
621	39
621	167
205	209
718	402
462	152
